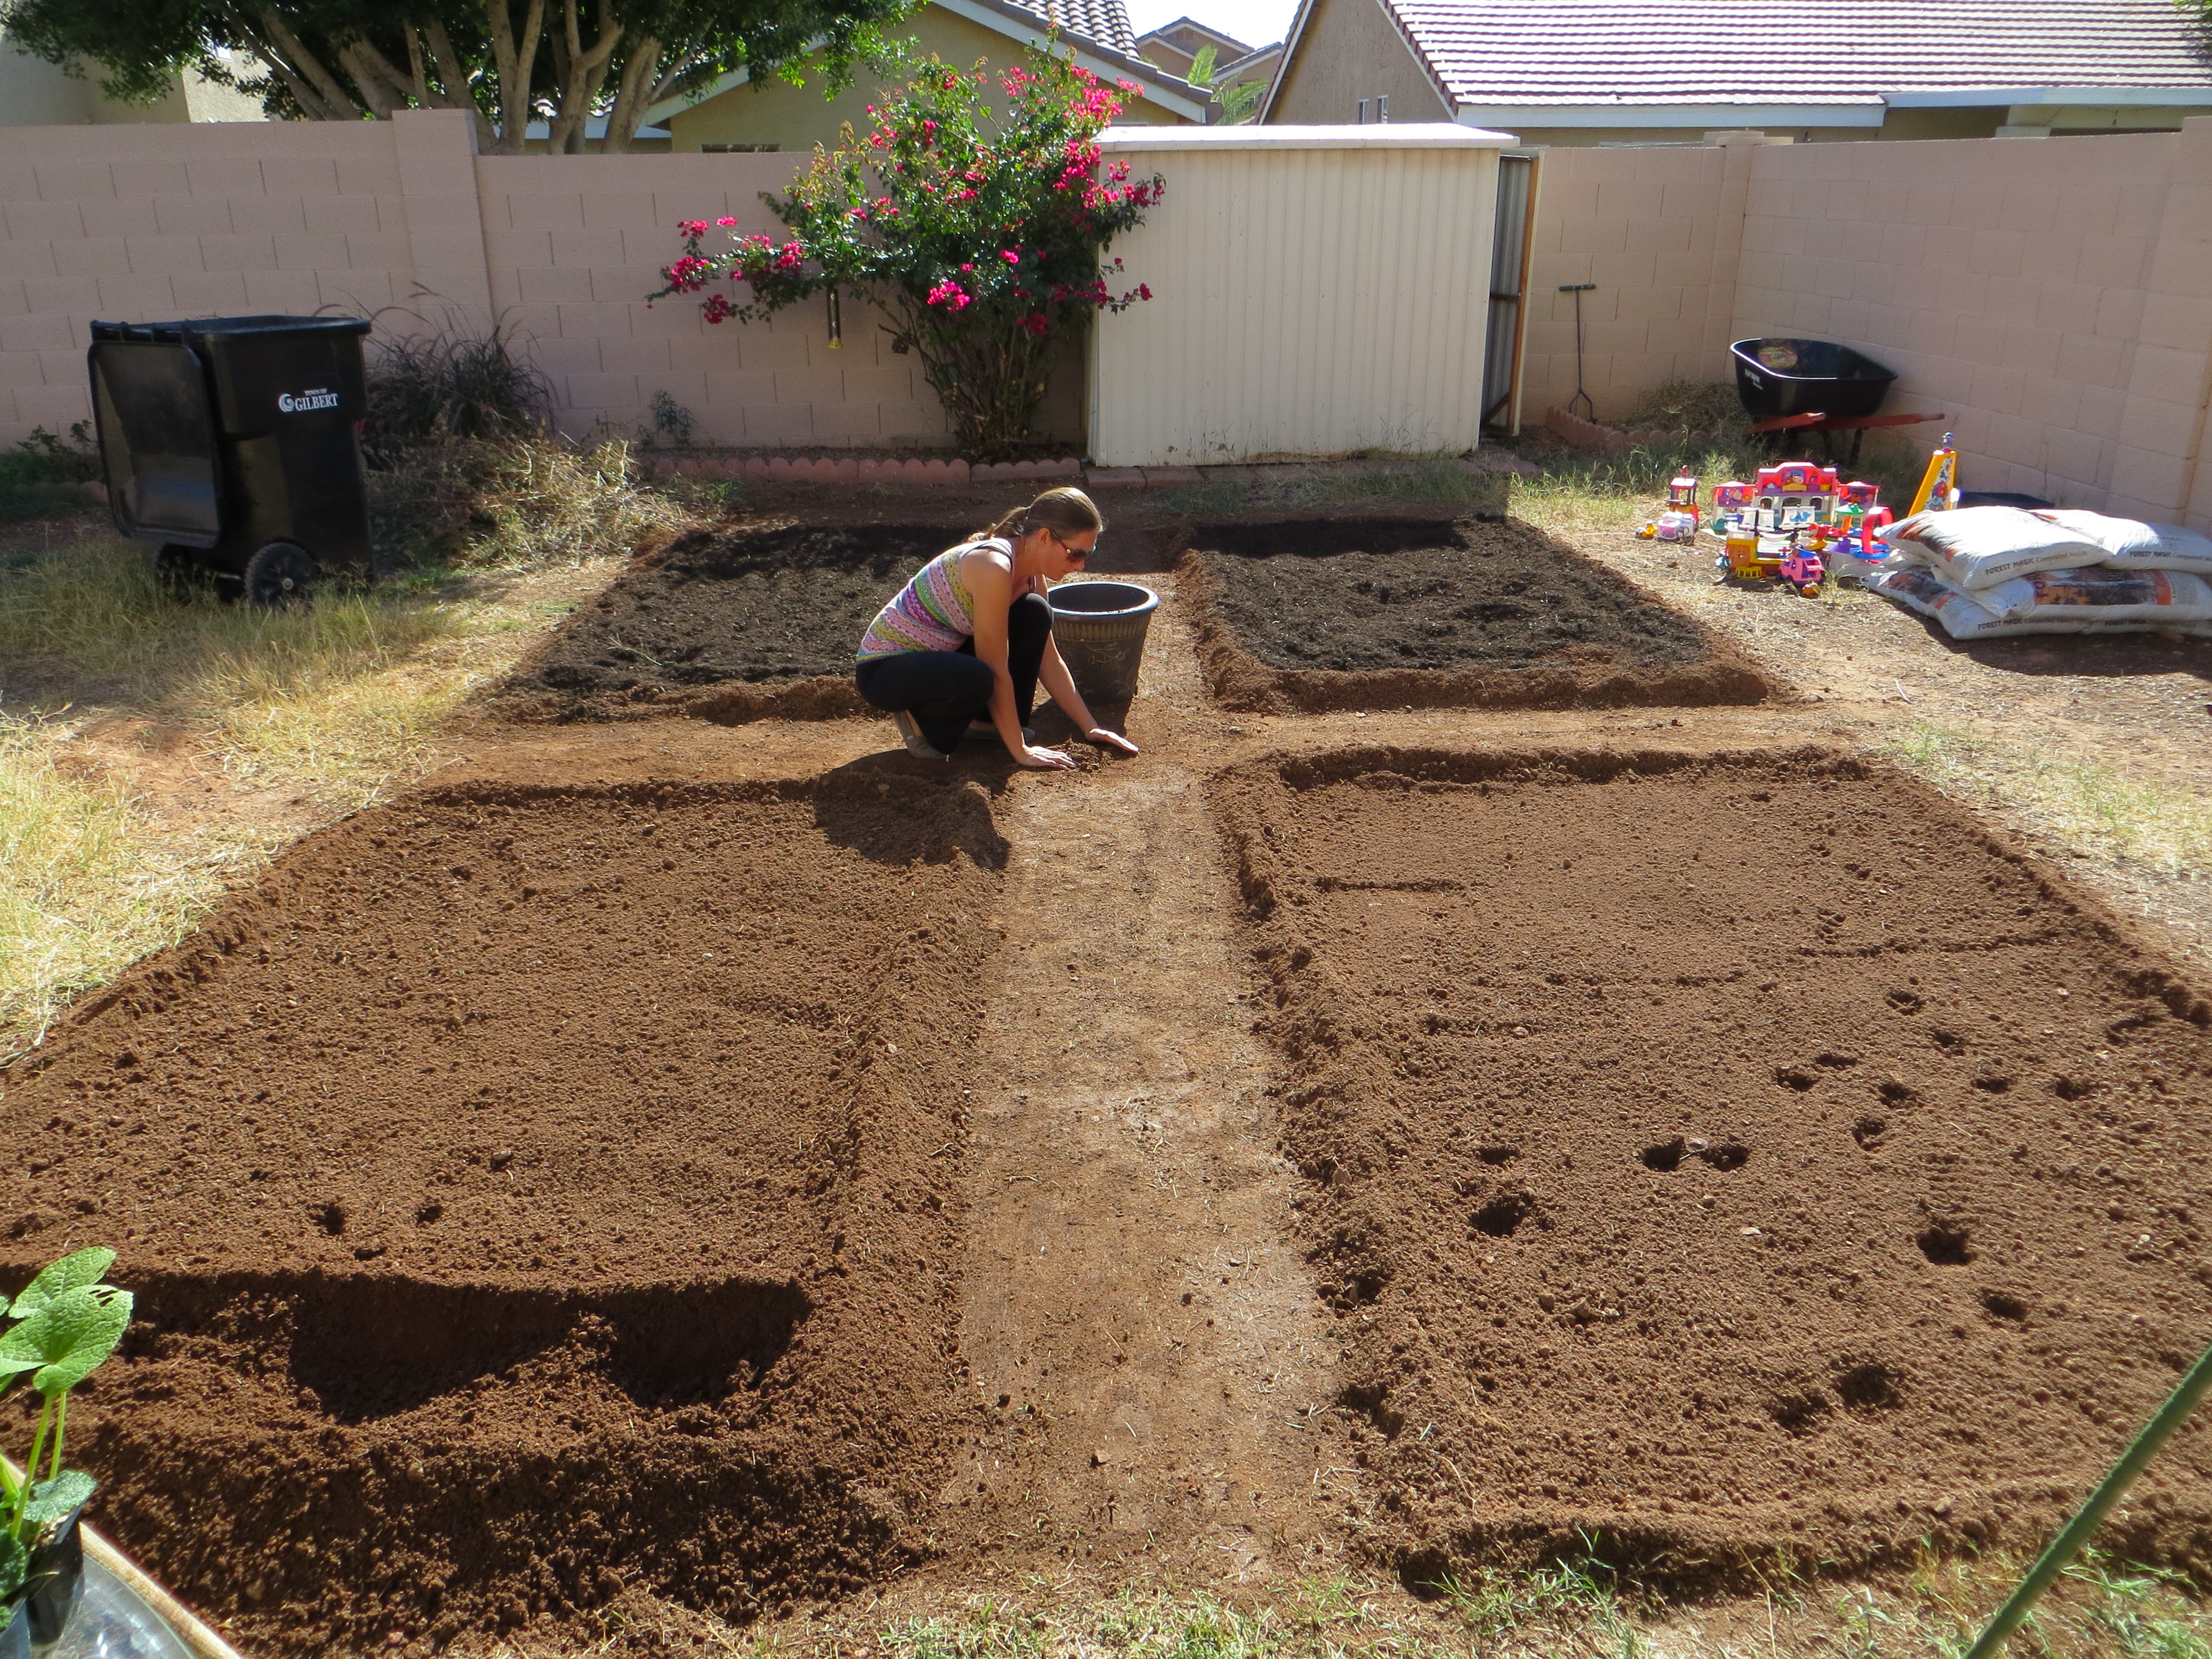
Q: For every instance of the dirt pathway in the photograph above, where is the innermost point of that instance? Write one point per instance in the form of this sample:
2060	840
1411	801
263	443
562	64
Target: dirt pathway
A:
1128	1281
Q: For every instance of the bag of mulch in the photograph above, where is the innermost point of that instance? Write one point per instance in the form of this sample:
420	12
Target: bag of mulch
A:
1968	616
1976	547
2131	544
1918	587
2100	594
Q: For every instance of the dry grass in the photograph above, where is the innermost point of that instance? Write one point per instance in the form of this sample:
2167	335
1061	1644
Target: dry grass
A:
85	885
2114	811
293	718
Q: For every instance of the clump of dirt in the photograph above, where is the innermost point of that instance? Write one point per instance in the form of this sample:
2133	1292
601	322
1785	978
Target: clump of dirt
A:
752	624
1713	1157
531	1194
1392	613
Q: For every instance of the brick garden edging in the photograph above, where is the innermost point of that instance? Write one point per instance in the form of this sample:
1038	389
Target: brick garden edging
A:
785	469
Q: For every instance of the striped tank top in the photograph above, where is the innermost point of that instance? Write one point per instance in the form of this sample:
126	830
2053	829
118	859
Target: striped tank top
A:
934	612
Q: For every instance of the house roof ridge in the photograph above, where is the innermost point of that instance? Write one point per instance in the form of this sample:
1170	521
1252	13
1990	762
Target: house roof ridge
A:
1222	35
1504	52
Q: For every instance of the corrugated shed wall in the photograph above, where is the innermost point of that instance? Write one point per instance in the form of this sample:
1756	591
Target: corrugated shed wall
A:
1306	302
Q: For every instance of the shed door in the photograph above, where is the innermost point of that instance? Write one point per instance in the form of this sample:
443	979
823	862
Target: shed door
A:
1509	285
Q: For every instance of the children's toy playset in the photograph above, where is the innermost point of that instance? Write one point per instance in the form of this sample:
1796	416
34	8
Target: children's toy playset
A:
1798	523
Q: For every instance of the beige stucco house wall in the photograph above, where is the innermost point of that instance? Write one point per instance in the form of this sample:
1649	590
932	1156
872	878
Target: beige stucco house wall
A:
36	94
1351	50
775	114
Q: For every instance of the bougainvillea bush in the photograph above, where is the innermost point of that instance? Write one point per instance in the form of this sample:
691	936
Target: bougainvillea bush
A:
980	230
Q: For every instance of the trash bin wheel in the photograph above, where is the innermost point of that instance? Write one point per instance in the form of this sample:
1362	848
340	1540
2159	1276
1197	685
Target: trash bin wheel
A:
280	574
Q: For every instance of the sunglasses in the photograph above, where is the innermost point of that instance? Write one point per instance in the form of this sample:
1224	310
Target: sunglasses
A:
1078	553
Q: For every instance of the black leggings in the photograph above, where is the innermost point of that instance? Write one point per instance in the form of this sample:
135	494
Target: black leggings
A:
944	690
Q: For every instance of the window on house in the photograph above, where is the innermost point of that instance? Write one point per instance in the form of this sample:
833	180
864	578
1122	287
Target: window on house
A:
739	149
1376	109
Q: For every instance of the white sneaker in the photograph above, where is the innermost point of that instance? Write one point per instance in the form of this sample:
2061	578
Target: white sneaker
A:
916	744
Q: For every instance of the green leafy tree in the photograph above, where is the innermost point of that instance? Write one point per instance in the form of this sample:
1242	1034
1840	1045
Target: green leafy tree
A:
1240	100
507	62
982	232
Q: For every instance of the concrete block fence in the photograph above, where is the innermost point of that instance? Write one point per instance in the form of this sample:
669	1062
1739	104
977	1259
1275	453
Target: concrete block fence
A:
401	221
2051	297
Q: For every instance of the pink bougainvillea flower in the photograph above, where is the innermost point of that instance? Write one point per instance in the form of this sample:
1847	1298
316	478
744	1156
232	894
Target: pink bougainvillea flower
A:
692	227
1144	292
725	221
1011	257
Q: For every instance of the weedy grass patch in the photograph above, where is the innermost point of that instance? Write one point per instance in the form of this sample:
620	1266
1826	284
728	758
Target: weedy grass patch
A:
1577	1608
320	709
2112	810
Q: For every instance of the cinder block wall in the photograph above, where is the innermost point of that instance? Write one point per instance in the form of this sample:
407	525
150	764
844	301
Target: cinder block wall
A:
143	223
1660	231
2053	298
402	221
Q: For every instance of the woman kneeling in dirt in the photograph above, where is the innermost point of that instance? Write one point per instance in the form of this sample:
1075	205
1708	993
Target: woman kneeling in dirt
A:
967	639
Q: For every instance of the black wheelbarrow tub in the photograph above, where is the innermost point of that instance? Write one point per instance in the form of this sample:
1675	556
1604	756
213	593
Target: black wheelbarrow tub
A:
1777	377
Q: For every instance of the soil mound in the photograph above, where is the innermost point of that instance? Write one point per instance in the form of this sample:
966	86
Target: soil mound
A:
1715	1156
768	619
531	1194
1347	613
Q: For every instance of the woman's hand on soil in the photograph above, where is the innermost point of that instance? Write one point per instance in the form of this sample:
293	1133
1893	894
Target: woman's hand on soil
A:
1044	760
1106	739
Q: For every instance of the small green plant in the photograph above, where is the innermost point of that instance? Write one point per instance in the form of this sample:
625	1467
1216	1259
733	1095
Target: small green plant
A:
672	423
46	458
67	1322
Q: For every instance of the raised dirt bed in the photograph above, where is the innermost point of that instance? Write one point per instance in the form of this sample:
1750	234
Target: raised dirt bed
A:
1389	613
1719	1156
529	1194
753	623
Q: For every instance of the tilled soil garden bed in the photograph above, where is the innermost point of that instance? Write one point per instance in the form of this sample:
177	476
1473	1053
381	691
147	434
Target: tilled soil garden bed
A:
532	1193
1389	613
1719	1156
727	628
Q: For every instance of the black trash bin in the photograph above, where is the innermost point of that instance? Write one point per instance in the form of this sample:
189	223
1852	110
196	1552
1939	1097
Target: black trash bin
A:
231	448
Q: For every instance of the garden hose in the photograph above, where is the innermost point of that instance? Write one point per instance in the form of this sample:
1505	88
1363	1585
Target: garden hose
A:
2077	1532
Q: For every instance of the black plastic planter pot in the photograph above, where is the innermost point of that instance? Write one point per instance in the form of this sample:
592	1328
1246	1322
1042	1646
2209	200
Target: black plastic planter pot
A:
55	1583
1100	629
15	1637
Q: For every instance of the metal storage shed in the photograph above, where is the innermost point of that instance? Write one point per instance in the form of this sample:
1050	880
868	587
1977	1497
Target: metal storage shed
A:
1317	290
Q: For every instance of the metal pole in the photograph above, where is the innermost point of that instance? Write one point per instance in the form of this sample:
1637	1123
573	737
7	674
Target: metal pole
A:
2077	1532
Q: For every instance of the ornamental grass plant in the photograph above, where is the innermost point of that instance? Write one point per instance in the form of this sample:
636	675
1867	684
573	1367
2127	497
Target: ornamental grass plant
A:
980	230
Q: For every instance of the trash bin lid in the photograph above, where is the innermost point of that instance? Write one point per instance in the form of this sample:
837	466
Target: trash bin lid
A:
216	328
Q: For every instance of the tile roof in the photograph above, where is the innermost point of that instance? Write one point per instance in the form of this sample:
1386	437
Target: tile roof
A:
1206	33
1103	22
1796	51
